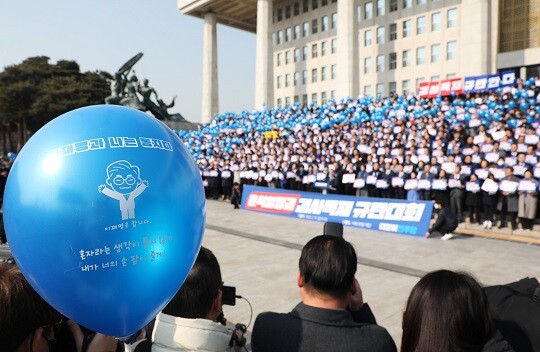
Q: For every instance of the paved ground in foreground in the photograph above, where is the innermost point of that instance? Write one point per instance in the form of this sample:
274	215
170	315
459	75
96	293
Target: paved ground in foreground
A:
259	255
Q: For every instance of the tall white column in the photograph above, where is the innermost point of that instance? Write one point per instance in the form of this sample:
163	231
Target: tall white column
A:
264	89
210	98
348	56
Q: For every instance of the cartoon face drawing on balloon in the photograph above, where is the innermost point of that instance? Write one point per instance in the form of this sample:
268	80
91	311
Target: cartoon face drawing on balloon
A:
124	184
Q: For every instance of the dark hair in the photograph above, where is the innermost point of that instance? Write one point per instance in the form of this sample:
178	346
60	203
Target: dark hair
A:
22	310
446	311
198	293
327	265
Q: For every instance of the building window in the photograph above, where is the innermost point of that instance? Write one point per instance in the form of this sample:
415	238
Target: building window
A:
324	2
435	21
393	5
296	78
287	79
451	18
279	81
392	58
324	48
314	97
324	23
334	20
367	65
278	102
421	25
451	50
380	7
333	94
278	59
314	51
406	86
296	55
279	15
418	81
420	2
407	28
305	29
393	31
323	73
436	53
380	63
305	6
367	89
304	77
407	58
314	75
420	55
279	37
334	46
296	33
323	98
287	101
368	10
314	26
288	33
451	75
380	35
435	78
392	87
304	53
296	8
367	37
333	71
380	89
296	99
287	57
287	11
314	4
304	99
407	4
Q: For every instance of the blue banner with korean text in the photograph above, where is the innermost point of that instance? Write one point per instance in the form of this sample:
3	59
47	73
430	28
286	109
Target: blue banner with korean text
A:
489	83
389	215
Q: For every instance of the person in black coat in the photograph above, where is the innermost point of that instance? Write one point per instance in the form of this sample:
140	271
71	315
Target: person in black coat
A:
332	315
473	201
515	308
446	221
236	195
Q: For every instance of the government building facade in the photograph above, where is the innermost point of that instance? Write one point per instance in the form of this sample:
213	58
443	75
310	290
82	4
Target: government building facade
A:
314	50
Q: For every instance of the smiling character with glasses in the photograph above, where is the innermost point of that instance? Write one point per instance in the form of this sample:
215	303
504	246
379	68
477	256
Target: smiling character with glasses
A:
124	184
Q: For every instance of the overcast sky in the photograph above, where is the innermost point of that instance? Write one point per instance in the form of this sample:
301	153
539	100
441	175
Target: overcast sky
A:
103	34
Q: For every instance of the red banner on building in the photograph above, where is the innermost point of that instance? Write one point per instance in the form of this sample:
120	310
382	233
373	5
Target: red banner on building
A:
443	88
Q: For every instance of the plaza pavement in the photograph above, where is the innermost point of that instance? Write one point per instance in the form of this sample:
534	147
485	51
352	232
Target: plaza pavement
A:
259	253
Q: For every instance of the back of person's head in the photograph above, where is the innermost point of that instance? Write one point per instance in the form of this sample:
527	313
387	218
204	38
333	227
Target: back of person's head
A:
327	265
22	310
446	312
200	290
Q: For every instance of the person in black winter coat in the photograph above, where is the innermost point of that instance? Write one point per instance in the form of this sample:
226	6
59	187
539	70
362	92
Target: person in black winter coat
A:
473	201
446	221
332	315
515	308
236	195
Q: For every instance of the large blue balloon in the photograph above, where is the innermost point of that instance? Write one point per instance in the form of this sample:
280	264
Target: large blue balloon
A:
104	211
